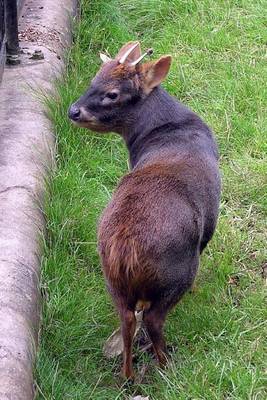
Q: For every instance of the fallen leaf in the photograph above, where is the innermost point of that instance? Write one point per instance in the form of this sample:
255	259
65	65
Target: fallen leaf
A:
264	272
114	344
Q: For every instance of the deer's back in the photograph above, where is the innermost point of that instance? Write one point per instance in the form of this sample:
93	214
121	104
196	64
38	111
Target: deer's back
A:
156	220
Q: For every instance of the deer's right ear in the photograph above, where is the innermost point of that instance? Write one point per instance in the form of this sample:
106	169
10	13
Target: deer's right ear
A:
129	52
155	72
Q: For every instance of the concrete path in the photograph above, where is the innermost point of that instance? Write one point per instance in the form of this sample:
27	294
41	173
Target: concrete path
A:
26	156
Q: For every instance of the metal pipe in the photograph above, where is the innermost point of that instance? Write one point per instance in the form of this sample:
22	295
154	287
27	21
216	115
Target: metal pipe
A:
2	44
11	28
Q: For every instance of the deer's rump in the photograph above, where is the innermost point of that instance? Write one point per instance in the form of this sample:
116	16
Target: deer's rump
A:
150	233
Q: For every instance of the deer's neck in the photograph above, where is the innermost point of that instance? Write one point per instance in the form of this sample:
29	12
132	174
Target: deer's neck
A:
154	124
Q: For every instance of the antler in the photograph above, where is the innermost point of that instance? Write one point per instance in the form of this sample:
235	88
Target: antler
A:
105	58
149	52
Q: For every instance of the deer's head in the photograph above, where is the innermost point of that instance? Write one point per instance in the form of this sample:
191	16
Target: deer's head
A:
118	89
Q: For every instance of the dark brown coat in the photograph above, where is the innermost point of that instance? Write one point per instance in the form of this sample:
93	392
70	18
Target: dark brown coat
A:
164	212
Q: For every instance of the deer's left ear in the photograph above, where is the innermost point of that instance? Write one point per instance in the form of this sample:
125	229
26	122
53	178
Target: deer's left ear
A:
155	72
104	58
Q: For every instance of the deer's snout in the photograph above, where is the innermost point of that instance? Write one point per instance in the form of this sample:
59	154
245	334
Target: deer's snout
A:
74	113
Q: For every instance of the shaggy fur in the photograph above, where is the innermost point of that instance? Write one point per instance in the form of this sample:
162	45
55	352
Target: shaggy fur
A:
164	212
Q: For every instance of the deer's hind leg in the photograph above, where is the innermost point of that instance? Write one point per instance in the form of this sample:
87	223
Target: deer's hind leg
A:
128	325
154	319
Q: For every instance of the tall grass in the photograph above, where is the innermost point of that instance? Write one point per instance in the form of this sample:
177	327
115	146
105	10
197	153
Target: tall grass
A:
219	70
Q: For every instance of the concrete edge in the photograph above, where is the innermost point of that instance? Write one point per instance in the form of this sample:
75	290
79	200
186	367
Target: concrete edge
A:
27	149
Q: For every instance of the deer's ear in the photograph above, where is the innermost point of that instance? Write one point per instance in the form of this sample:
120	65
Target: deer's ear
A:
104	58
132	54
155	72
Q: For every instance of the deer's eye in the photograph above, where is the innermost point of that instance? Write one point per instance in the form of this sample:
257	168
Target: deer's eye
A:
112	95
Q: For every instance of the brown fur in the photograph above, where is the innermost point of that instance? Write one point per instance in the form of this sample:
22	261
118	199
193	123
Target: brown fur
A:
122	72
122	258
126	253
163	213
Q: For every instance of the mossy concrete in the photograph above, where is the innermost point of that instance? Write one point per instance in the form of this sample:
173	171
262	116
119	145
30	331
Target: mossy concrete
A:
27	149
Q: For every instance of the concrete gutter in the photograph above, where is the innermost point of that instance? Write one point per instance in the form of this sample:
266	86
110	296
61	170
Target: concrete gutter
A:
26	155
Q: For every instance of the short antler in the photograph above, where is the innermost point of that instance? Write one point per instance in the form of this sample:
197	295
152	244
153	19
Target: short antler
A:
149	52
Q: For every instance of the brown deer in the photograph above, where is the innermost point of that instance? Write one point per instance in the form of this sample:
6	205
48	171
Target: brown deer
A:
164	212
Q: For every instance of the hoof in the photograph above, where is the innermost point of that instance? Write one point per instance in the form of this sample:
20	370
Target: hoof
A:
128	376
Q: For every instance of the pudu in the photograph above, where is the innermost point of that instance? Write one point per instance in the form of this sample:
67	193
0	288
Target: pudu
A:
164	211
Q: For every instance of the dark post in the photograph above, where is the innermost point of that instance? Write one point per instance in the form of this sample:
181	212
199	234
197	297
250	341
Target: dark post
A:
11	26
2	34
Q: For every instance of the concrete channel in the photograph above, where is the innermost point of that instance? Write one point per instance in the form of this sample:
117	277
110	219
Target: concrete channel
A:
27	147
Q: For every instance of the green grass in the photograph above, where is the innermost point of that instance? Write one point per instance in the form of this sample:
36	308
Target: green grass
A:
219	70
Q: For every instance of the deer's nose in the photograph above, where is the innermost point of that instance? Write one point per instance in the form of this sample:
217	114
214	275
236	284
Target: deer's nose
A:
74	113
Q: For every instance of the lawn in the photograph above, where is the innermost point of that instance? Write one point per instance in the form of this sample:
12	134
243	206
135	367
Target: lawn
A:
219	70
